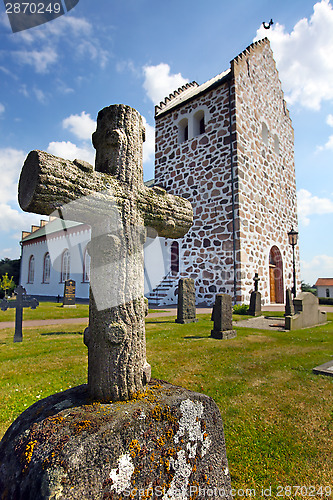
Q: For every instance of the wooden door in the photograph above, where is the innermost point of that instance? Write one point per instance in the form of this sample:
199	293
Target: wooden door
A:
272	283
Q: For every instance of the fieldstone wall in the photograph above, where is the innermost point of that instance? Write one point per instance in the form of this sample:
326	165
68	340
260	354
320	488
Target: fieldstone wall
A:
266	173
199	169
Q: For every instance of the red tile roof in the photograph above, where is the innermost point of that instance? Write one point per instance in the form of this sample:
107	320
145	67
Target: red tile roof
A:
324	282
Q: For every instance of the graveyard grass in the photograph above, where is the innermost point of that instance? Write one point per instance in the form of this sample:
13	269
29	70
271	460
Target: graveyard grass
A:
278	415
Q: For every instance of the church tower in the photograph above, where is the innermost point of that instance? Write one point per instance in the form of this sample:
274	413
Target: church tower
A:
228	147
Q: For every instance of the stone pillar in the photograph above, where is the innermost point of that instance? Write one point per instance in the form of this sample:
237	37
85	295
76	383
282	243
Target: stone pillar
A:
223	317
186	301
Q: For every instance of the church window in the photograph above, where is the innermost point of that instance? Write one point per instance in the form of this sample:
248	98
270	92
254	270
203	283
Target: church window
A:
276	145
46	268
86	267
327	292
199	123
65	266
264	133
183	130
31	269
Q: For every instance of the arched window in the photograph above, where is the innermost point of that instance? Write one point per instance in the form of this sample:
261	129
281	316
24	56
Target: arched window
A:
65	266
183	130
264	133
327	292
199	123
46	268
276	145
174	264
31	269
86	267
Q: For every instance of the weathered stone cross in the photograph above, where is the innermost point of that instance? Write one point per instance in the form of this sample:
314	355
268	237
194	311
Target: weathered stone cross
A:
22	300
117	365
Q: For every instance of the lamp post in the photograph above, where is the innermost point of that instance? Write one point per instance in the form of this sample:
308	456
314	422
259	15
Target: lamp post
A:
293	237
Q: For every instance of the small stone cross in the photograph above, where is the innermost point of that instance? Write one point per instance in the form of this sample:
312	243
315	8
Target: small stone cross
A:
256	280
115	202
22	300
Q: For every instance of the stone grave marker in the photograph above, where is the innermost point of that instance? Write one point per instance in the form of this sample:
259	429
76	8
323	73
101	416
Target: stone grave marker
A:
120	434
306	314
69	293
186	311
22	300
255	299
222	314
289	309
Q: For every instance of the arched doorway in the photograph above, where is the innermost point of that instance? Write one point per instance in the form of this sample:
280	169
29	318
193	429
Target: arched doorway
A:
175	257
276	276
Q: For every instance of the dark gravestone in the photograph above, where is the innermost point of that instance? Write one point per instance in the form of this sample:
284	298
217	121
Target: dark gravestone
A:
255	299
222	314
289	307
69	293
186	301
22	300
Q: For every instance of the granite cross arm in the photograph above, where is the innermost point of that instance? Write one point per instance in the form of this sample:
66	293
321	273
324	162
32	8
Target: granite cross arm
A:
117	365
22	300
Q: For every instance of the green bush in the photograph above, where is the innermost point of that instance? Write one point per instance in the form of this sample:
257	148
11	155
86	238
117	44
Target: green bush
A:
326	301
241	309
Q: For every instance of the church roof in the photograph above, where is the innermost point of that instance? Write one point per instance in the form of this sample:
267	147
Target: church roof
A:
53	226
191	90
187	92
324	282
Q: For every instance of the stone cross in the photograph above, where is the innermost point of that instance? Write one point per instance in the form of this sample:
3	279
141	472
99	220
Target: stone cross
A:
256	280
22	300
114	191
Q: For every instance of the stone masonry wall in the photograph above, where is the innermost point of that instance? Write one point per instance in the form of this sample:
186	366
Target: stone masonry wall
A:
199	170
266	174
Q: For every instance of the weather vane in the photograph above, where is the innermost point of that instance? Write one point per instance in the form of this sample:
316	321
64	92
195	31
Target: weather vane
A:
268	25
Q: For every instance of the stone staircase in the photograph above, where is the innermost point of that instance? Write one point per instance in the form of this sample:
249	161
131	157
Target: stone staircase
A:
164	293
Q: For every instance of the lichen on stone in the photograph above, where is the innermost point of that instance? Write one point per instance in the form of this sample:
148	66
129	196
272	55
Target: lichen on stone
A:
122	475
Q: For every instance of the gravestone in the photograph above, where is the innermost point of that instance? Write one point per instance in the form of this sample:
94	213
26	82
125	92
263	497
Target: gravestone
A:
222	314
289	307
186	310
120	434
255	299
307	312
22	300
69	293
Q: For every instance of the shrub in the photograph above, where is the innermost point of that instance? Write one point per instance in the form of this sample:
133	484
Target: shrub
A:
326	301
241	309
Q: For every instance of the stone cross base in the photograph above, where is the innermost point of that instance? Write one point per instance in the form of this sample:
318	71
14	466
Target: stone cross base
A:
223	334
255	304
166	443
185	321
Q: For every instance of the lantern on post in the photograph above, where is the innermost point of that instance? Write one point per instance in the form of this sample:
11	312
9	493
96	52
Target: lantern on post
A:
292	238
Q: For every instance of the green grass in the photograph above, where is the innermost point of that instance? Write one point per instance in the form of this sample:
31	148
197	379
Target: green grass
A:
48	310
278	415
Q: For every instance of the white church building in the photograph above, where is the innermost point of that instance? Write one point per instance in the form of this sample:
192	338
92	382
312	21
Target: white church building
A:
228	147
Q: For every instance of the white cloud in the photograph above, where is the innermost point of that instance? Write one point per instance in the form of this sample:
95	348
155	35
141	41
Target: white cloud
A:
329	120
320	266
149	144
12	219
309	204
39	60
159	82
82	126
2	108
303	57
11	162
71	151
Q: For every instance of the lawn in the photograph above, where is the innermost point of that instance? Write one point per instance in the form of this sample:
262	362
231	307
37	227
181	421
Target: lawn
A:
278	415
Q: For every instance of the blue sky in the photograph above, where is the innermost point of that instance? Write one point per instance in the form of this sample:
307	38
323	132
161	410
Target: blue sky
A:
55	78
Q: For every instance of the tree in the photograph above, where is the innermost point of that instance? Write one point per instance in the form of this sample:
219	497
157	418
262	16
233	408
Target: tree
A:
6	283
